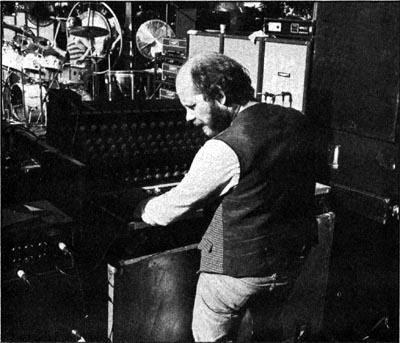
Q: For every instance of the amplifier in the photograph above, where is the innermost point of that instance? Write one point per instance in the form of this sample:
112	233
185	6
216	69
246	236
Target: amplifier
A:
166	93
169	71
31	234
174	46
289	28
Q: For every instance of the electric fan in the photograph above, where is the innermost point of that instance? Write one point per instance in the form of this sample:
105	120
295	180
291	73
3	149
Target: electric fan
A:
149	37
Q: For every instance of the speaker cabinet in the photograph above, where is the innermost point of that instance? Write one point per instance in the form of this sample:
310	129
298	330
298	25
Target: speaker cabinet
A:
278	68
354	99
286	64
355	78
247	53
363	283
200	42
151	297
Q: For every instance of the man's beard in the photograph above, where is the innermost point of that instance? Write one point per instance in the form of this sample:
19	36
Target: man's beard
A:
220	121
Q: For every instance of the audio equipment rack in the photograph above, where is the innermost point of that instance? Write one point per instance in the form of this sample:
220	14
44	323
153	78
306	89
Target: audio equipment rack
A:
174	54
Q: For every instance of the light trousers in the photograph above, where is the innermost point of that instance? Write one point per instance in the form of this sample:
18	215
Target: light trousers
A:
220	303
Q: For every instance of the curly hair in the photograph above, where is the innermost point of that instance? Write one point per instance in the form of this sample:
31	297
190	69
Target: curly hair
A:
213	72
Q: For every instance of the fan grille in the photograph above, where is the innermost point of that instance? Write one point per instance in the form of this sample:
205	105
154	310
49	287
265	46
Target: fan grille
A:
149	37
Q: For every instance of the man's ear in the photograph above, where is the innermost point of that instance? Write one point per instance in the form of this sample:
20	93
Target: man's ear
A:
221	98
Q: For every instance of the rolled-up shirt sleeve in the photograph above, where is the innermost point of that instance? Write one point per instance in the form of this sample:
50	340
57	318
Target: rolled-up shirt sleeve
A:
214	171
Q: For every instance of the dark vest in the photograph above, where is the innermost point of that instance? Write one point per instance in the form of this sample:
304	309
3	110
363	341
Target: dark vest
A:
262	225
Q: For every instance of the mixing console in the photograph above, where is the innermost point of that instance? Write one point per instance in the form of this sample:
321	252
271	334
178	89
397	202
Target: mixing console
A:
132	143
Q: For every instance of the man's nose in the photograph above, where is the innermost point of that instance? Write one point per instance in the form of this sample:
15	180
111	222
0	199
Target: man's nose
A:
190	116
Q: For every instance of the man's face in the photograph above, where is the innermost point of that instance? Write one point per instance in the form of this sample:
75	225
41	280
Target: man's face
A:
70	23
212	116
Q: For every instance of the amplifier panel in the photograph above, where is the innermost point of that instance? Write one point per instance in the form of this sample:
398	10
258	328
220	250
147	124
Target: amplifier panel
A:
300	29
166	93
174	47
170	71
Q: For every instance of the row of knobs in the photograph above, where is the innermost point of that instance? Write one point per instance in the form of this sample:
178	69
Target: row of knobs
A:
126	149
168	137
132	128
147	175
29	252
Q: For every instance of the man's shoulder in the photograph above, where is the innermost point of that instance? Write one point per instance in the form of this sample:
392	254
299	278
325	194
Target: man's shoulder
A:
263	114
263	108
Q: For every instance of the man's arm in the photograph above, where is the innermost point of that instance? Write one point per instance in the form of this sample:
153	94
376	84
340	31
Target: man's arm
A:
62	53
214	171
89	48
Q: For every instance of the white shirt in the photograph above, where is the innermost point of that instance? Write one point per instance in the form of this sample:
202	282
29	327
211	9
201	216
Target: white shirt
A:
214	171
